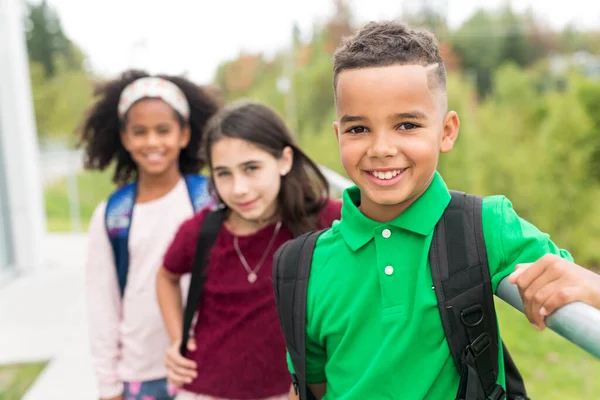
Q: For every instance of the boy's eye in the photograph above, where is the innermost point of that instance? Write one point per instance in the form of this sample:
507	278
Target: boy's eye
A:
251	168
407	126
357	130
138	132
222	173
163	131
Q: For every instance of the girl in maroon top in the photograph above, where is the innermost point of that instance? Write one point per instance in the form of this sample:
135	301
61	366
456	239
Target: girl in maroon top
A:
272	192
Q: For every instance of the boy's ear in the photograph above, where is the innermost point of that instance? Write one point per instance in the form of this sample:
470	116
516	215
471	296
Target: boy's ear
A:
336	129
450	132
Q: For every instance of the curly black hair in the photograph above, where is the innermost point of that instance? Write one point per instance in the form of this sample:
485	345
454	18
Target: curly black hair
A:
100	133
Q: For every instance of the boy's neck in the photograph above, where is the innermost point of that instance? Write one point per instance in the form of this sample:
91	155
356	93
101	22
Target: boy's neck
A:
387	213
383	213
152	187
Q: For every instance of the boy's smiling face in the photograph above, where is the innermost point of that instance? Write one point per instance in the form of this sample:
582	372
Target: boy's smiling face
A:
391	127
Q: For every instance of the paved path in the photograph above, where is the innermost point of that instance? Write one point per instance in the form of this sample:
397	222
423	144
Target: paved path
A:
42	317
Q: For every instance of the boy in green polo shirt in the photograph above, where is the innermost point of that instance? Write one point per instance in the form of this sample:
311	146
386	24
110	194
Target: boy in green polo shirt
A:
373	328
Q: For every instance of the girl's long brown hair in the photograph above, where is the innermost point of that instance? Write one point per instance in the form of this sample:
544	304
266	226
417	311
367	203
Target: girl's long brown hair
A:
304	190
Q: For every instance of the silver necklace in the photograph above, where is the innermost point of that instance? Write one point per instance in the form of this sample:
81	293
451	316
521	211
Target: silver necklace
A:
252	273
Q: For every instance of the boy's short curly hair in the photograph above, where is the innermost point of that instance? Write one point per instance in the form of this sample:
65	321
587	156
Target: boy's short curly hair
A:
385	43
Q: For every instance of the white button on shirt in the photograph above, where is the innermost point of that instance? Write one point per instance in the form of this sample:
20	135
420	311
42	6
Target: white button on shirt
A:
386	233
389	270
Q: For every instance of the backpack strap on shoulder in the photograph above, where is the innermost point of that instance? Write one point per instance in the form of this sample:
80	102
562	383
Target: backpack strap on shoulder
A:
461	277
209	231
117	220
197	186
291	270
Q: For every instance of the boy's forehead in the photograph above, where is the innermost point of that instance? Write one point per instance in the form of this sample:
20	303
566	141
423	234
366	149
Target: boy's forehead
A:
385	74
402	85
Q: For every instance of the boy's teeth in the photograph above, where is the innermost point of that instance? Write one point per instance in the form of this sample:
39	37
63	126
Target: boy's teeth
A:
385	175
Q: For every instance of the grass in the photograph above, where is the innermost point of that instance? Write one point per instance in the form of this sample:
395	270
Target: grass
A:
15	379
552	367
93	187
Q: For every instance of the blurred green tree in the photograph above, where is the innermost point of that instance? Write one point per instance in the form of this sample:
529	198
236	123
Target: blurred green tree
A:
46	41
61	85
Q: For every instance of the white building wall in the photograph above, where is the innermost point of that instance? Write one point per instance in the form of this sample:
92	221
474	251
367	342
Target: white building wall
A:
23	221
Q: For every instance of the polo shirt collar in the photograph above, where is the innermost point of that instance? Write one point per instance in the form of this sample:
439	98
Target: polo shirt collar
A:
420	217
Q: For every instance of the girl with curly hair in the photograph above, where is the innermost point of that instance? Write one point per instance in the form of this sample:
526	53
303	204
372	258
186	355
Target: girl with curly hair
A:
150	129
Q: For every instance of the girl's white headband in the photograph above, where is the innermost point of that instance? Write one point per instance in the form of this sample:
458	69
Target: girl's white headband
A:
154	87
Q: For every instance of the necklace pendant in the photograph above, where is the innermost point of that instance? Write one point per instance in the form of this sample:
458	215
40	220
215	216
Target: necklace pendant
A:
252	277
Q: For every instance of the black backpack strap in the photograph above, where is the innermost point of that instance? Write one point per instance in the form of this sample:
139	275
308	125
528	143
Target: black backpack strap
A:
461	277
515	386
291	269
211	225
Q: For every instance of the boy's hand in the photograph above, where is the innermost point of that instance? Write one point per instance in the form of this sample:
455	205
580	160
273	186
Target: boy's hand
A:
180	370
552	282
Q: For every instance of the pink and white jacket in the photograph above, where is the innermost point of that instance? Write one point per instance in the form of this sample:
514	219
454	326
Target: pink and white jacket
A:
127	335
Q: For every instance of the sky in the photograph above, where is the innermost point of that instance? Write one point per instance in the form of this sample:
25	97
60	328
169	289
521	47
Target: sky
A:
195	36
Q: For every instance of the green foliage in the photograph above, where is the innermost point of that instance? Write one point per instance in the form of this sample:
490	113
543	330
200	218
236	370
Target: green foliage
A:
479	52
572	39
15	379
62	88
563	174
427	15
93	187
457	166
589	94
321	144
315	106
46	40
490	38
536	148
61	100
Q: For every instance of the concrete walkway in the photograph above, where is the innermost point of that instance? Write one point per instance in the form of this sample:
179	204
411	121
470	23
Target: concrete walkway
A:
42	317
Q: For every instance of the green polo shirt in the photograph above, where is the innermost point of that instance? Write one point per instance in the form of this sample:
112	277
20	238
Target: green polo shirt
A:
373	327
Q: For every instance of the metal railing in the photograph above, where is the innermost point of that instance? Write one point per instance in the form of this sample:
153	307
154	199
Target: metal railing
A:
577	322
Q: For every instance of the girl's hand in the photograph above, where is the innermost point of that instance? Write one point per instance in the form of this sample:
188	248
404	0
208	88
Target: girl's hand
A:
180	370
119	397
